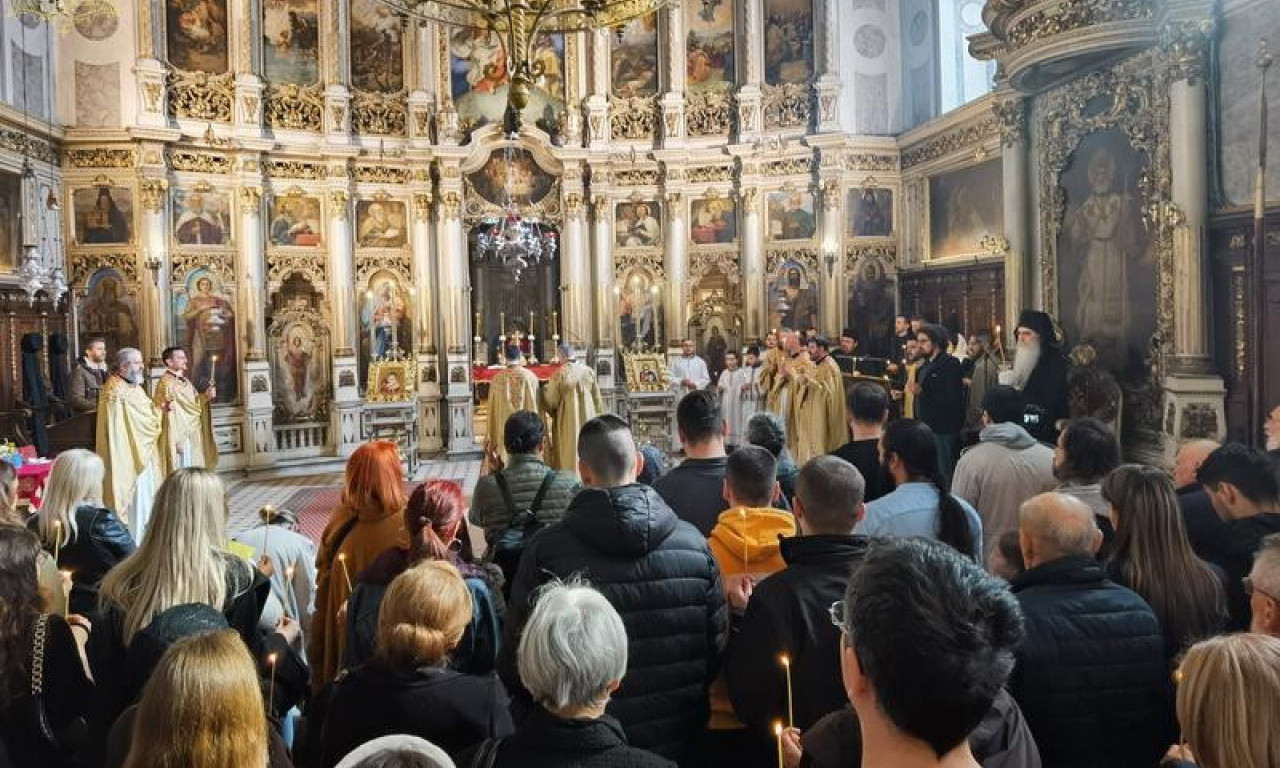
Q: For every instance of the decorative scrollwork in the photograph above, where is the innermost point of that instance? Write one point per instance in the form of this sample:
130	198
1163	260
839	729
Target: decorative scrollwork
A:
635	177
280	265
1071	15
380	174
1011	117
451	205
709	113
789	105
1185	45
295	107
380	113
956	140
294	169
650	260
789	166
85	263
856	257
153	194
101	157
702	262
183	262
633	117
706	173
200	162
396	261
806	257
867	161
201	96
32	146
423	202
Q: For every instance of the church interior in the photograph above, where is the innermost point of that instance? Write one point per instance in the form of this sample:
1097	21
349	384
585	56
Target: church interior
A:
341	208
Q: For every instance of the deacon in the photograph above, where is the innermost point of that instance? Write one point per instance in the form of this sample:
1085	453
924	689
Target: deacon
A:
828	385
571	398
805	434
513	389
186	424
730	386
751	389
1040	372
688	372
770	369
129	443
88	376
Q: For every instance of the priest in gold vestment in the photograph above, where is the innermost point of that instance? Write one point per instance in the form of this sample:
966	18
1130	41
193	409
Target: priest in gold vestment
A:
514	389
828	384
129	443
571	398
770	373
186	426
803	415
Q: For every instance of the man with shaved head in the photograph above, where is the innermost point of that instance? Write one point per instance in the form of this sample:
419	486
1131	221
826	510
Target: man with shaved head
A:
1092	678
655	569
1203	524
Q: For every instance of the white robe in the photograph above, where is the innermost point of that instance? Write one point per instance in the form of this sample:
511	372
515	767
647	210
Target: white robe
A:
753	397
144	495
694	369
730	385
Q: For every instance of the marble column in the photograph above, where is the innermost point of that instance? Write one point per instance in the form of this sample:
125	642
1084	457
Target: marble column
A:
346	389
430	432
1015	149
606	319
672	102
827	85
675	324
454	299
596	105
575	273
831	261
751	43
153	285
255	379
753	266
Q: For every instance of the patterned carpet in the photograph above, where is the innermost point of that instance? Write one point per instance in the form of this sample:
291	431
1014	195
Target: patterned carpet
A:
314	505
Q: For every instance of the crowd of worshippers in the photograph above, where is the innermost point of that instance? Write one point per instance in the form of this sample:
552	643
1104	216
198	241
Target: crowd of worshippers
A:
1041	605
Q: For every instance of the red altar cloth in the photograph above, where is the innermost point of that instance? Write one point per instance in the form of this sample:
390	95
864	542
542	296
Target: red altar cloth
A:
31	480
481	373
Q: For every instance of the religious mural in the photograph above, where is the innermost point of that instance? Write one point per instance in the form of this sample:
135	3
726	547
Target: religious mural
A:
790	215
10	218
201	217
103	215
381	224
377	47
384	319
637	224
108	311
639	309
870	212
871	308
300	353
290	41
634	59
713	220
965	205
1238	108
1106	266
519	177
295	221
196	32
788	41
205	324
479	79
709	46
793	297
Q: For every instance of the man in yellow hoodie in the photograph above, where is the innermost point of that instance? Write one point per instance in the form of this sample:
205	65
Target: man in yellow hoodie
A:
744	543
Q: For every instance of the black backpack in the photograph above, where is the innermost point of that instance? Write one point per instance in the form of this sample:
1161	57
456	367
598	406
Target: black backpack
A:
505	551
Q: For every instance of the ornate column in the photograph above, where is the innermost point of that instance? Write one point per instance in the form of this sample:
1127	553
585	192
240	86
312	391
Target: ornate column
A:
575	280
1194	393
753	265
672	102
827	86
346	389
1011	112
155	270
605	309
430	436
831	260
455	321
751	43
675	324
247	116
255	382
596	105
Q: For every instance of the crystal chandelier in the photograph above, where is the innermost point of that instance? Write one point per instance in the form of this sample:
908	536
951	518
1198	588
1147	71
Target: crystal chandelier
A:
515	239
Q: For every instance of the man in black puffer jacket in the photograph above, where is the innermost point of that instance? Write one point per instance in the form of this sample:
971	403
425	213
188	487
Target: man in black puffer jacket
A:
656	570
1092	678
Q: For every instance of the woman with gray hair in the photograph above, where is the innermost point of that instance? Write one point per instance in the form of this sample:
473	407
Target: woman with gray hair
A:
572	657
767	430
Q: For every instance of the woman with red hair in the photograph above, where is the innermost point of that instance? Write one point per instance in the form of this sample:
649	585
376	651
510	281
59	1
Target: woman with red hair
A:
437	527
366	522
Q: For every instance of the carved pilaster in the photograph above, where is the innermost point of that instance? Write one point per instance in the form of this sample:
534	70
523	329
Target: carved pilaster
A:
451	205
251	200
1184	45
1011	116
423	202
152	194
339	199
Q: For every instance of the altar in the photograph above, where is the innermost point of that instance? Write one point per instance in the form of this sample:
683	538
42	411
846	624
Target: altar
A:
483	374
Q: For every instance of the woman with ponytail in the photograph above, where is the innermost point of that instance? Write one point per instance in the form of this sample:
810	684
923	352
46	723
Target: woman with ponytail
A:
921	503
436	526
407	687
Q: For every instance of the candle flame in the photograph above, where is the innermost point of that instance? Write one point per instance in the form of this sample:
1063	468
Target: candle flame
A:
271	659
777	728
65	574
785	659
342	555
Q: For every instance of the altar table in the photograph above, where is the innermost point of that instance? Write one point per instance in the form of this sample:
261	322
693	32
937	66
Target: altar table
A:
483	374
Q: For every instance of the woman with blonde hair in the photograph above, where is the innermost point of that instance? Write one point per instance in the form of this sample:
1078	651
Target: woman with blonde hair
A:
408	688
182	561
1229	704
88	538
366	522
202	707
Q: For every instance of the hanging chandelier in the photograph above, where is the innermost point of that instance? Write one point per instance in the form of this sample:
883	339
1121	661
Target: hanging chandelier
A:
513	238
521	22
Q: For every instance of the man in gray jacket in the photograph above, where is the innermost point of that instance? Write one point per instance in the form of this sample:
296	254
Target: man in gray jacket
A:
87	377
1006	467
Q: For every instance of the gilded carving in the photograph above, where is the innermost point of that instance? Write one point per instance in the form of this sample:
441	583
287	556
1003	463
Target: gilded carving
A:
1185	45
295	107
380	174
868	161
599	208
200	162
183	263
573	204
855	256
339	199
251	199
280	265
635	177
37	149
1011	115
832	191
294	169
249	108
789	166
101	157
84	264
708	113
750	196
201	96
396	261
380	113
152	194
451	205
788	105
151	93
807	257
705	173
702	262
337	117
634	117
1071	15
422	203
651	260
956	140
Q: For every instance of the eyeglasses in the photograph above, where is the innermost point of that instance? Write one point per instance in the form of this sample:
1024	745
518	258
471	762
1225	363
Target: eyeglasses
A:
836	612
1249	589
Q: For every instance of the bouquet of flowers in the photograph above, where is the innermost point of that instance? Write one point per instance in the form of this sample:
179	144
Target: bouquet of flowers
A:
9	452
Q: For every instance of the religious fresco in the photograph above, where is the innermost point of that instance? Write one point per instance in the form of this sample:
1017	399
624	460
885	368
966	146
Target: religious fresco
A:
1106	262
871	308
103	215
790	215
377	47
295	221
1238	107
709	45
965	205
384	319
204	318
639	309
201	217
633	61
300	356
788	41
196	35
713	220
10	220
291	41
520	177
381	224
108	311
96	20
479	79
793	297
870	212
637	224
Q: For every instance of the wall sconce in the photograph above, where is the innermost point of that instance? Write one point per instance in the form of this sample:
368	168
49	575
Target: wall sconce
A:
154	264
830	259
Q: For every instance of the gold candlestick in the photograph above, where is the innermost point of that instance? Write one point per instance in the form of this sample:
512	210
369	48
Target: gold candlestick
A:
786	665
342	560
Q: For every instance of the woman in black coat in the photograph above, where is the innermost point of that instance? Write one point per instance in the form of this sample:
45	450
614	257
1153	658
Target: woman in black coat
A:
86	538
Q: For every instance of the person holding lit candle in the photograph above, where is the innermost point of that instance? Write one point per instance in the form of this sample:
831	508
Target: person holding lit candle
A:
186	421
293	580
128	440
